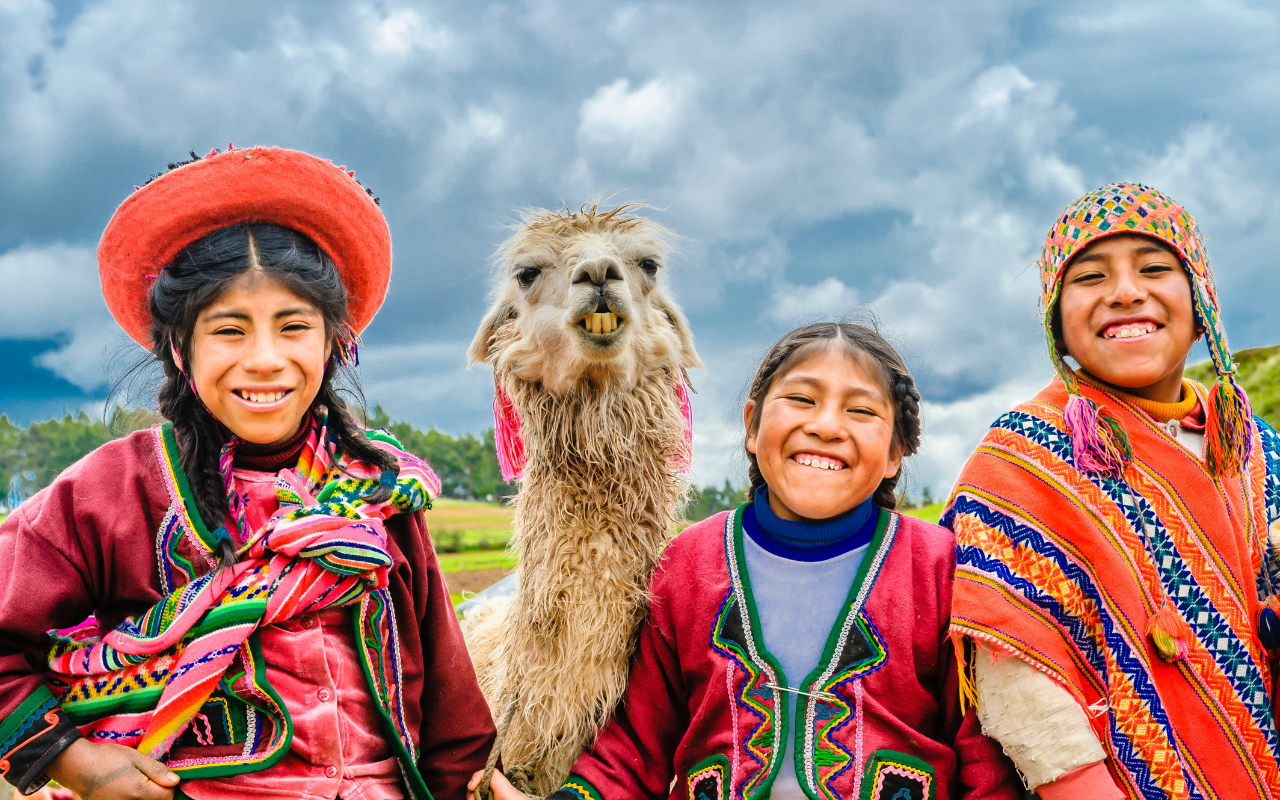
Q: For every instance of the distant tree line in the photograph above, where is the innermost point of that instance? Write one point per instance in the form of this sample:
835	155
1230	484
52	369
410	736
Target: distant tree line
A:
32	456
467	465
709	500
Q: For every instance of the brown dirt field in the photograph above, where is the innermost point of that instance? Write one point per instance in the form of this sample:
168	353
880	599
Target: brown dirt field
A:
473	580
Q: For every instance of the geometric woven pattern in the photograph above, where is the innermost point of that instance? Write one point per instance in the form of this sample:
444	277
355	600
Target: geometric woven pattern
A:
1064	568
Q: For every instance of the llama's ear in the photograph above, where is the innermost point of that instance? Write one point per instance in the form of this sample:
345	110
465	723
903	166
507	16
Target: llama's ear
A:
675	318
481	349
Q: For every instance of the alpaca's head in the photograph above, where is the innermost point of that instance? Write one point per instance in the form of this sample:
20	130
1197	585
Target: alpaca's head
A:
582	297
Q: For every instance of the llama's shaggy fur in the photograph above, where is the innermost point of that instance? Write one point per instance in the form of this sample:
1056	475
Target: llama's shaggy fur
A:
605	439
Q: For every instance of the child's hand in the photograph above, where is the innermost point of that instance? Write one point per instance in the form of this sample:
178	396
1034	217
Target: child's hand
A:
499	786
111	772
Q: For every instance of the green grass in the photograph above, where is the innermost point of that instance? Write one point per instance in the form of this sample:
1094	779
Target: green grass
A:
1259	374
479	559
459	526
931	513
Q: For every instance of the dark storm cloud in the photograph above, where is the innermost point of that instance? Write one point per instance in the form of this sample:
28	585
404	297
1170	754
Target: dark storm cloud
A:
909	156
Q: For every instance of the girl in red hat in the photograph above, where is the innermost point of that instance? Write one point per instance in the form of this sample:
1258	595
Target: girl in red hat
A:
244	600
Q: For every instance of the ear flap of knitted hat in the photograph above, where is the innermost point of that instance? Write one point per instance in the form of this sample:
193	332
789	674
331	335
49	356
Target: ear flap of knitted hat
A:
1099	443
1229	418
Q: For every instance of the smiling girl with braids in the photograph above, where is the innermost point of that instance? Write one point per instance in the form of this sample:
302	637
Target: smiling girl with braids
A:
797	647
265	613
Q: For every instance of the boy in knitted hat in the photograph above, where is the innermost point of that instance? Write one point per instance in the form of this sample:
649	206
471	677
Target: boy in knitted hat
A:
1112	532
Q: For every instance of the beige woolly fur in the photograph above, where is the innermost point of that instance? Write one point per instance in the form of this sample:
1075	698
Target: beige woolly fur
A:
605	439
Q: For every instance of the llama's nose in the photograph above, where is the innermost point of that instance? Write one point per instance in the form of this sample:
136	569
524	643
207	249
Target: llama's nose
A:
598	272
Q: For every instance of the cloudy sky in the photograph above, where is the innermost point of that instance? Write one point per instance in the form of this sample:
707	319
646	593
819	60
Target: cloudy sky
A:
904	157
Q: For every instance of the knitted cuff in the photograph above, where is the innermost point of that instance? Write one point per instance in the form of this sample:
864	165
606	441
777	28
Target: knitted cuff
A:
576	788
40	738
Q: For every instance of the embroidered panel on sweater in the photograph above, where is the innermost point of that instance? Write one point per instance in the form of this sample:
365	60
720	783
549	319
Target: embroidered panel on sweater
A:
830	696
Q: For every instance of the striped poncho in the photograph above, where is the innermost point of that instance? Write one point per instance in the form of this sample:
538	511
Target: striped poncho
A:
1053	568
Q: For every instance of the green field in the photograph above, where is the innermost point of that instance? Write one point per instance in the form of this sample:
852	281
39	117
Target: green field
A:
930	513
459	526
475	560
1259	374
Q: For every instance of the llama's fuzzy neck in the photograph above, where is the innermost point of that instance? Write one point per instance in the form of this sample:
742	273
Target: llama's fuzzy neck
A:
600	461
595	508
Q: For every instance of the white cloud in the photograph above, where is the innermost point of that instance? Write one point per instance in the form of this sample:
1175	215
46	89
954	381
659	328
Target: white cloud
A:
1203	171
59	299
953	430
831	296
639	122
403	29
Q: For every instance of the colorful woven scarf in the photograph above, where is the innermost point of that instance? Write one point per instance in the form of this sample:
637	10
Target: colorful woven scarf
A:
141	684
1099	441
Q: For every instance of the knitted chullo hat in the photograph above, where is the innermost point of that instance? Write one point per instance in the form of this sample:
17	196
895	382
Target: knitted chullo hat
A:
1098	441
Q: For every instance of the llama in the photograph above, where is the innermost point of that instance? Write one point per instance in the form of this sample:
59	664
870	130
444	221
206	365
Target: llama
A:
591	351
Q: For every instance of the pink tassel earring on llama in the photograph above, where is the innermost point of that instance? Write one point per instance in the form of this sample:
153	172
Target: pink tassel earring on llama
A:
506	434
509	443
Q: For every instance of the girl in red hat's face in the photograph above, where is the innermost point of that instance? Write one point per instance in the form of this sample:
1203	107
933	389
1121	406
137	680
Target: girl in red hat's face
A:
258	356
1126	315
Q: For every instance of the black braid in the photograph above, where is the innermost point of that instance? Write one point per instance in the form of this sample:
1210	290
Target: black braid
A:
866	343
906	429
199	444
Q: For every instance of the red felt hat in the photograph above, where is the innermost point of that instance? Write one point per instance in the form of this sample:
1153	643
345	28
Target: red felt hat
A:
259	184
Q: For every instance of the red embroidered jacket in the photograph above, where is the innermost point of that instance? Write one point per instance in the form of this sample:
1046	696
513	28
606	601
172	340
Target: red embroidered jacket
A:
701	706
92	542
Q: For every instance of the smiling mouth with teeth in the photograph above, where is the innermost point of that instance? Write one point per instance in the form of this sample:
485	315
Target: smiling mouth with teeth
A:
259	397
601	323
1129	330
819	462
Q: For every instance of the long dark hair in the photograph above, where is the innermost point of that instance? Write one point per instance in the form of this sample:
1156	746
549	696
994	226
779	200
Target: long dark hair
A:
197	277
867	345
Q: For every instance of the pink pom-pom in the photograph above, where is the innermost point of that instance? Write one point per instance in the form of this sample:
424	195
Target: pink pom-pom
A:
1089	445
686	409
507	438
